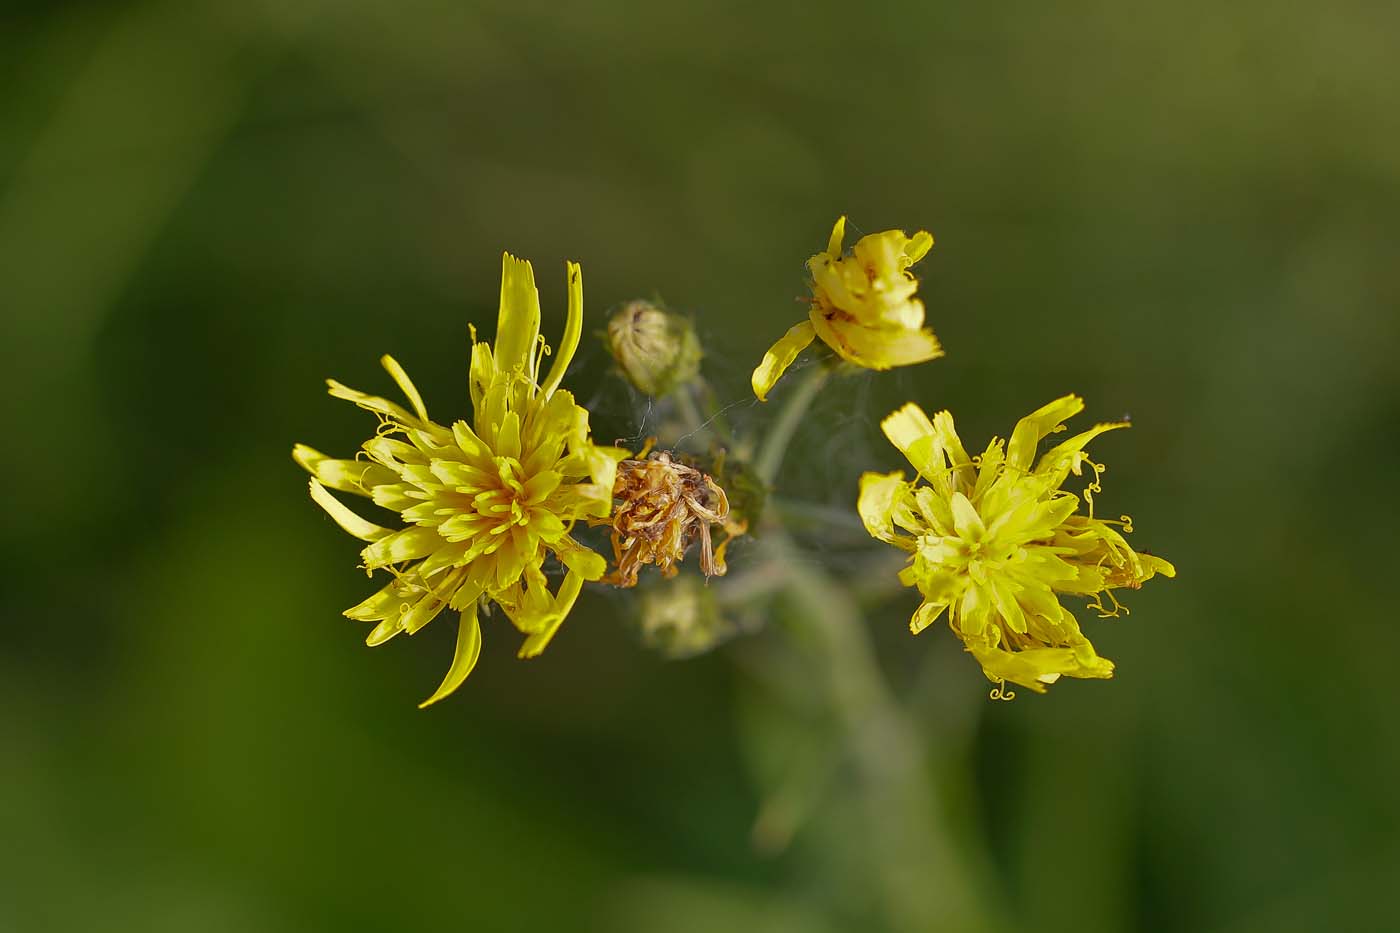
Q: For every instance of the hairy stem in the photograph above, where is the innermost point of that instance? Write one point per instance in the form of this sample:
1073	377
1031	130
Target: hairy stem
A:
927	880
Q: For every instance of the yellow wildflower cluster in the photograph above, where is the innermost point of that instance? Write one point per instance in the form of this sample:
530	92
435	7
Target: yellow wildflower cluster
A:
488	505
995	542
863	307
484	502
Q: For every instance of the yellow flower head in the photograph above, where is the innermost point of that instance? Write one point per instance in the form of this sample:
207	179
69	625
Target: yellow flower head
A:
996	542
486	502
863	307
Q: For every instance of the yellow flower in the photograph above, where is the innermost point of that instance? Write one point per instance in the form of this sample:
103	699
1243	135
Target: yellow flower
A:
484	502
863	307
996	542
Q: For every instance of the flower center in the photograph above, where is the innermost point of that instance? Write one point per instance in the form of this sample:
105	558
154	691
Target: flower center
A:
504	506
478	501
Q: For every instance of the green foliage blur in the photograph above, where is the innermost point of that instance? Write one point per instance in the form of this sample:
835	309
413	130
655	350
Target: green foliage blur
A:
1186	212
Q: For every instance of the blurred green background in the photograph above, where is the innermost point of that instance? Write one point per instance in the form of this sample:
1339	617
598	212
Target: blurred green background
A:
1186	212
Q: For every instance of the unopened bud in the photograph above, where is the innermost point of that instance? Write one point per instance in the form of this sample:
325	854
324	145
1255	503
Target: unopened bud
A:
657	350
679	617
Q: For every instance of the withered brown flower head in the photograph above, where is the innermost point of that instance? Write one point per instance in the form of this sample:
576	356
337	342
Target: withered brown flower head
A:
660	508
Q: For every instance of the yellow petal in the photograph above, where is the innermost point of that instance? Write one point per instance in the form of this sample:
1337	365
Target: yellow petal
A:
1153	564
354	524
463	658
950	442
405	384
913	434
508	436
563	602
481	374
385	630
918	246
573	328
373	403
926	615
452	554
877	348
354	476
878	494
1066	455
587	563
422	612
780	356
838	234
1020	451
393	453
1036	667
1004	596
966	521
384	604
407	544
602	464
518	326
307	457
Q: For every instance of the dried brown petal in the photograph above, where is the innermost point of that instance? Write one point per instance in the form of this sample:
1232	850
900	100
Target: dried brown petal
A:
661	507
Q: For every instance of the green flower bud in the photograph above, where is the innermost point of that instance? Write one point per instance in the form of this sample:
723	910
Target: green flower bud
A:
679	617
657	350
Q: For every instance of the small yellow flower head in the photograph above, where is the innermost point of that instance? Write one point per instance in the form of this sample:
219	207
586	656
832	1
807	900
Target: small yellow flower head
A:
662	508
996	542
657	350
863	307
484	503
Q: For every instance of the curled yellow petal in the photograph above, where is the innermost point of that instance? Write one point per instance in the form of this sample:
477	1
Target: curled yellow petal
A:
1068	456
372	403
361	528
1029	431
573	329
405	384
879	492
918	246
877	348
779	357
1035	668
926	615
463	658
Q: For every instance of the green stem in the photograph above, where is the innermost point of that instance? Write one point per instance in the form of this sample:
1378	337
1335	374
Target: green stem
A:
928	879
775	443
925	877
717	422
685	404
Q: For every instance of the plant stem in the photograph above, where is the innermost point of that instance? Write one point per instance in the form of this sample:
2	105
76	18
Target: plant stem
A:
779	436
924	877
927	880
685	404
717	422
